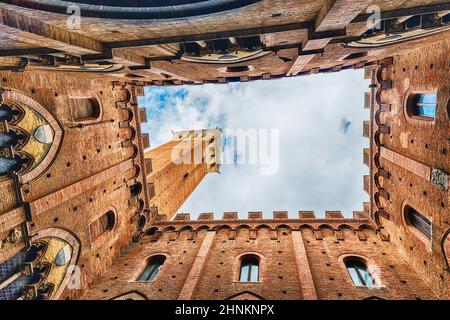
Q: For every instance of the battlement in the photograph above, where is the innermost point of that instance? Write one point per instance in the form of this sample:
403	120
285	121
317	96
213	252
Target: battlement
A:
212	141
255	216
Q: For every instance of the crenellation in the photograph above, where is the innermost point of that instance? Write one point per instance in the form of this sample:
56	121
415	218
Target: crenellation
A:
280	215
206	216
333	215
255	215
306	215
182	217
360	215
230	216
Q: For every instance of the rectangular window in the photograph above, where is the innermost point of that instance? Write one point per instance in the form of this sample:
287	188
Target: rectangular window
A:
254	273
244	273
425	105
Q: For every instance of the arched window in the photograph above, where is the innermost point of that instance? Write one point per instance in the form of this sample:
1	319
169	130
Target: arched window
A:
152	269
84	109
423	105
418	222
103	224
357	269
249	269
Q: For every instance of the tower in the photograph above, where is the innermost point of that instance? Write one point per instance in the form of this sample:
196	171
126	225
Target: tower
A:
179	166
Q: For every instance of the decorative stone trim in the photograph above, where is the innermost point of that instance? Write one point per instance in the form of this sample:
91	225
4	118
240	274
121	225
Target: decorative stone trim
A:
57	139
72	241
50	201
439	178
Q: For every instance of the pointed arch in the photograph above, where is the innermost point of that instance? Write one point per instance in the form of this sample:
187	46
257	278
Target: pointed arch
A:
46	133
245	295
132	295
67	256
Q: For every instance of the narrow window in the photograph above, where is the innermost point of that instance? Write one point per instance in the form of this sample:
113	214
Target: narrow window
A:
416	220
105	223
423	105
249	269
357	269
152	269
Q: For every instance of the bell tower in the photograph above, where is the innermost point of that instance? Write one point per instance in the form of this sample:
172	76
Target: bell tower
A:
179	166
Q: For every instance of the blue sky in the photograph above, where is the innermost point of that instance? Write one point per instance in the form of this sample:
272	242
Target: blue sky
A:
319	120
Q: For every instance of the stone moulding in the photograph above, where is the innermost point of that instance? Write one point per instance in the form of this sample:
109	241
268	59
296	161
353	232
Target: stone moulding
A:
439	178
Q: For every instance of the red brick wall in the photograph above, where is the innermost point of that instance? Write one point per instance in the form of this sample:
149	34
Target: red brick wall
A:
272	241
411	149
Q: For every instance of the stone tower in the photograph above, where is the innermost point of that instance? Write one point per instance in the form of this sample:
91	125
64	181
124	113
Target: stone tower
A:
179	166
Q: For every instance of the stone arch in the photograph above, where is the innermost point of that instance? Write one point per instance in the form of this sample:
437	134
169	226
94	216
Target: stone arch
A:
243	226
137	170
134	9
345	226
186	232
142	222
280	226
45	131
245	295
445	245
326	230
261	226
307	231
243	231
185	228
75	247
131	133
206	227
306	226
346	230
168	228
136	189
366	227
152	231
127	114
132	295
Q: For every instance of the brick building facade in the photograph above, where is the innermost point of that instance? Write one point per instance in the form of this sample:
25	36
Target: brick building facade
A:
80	196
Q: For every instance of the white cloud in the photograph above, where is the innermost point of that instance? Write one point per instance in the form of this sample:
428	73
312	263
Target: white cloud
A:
321	168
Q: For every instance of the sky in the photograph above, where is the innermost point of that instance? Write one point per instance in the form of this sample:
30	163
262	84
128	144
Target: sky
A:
312	159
